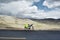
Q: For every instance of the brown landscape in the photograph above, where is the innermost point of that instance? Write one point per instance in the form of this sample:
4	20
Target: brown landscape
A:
10	22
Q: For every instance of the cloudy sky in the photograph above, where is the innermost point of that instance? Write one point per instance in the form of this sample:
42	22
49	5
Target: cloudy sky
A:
37	9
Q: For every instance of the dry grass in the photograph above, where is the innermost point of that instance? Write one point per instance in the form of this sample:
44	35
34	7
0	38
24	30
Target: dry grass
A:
11	22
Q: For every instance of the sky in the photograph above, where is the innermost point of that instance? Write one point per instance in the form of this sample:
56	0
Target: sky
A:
38	9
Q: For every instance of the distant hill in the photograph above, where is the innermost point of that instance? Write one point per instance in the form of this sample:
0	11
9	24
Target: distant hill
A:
39	24
48	20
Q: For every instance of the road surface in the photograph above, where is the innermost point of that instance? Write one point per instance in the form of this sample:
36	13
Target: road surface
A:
29	35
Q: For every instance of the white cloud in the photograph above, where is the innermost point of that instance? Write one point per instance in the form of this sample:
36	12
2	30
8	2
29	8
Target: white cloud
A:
32	0
25	8
53	14
19	6
51	3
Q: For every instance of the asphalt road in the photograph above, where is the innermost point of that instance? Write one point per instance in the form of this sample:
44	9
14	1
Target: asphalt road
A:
29	35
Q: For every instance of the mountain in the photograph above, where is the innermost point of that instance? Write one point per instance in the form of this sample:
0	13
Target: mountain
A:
50	20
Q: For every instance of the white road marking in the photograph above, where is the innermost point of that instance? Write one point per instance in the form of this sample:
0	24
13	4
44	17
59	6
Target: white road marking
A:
11	38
